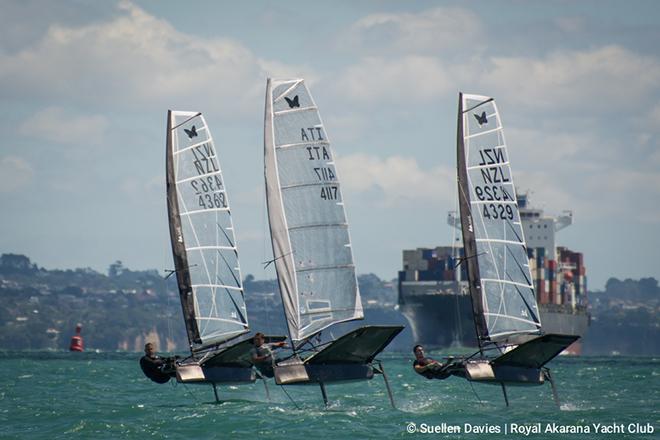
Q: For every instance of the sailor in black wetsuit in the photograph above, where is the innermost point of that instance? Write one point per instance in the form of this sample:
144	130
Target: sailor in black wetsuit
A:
427	367
154	367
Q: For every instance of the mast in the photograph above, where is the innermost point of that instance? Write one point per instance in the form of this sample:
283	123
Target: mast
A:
178	244
280	242
467	229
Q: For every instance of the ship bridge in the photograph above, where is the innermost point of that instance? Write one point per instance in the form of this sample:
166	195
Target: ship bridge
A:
539	228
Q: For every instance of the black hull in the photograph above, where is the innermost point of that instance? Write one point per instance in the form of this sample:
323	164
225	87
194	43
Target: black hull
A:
349	358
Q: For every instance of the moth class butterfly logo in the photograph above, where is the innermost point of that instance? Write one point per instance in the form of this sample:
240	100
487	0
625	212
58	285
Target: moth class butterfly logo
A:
293	103
481	119
191	133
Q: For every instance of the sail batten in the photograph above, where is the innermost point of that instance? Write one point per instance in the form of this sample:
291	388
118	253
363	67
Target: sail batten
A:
202	234
320	225
220	286
223	248
483	133
307	219
295	110
479	167
497	280
193	146
302	144
478	240
316	268
503	298
198	211
499	202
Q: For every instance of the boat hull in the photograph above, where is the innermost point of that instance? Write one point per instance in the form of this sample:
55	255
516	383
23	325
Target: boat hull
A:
314	374
195	374
346	359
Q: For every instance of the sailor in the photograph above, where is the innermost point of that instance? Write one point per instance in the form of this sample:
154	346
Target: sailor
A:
262	354
154	367
427	367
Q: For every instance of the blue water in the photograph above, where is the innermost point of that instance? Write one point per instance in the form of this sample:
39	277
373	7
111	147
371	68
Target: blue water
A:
47	395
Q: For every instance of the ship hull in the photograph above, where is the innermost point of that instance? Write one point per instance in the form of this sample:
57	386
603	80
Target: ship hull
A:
441	320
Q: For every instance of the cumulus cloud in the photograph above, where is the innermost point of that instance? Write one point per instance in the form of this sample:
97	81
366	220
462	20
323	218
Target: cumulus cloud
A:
531	145
57	125
425	32
590	83
606	79
396	80
630	191
396	179
132	59
15	174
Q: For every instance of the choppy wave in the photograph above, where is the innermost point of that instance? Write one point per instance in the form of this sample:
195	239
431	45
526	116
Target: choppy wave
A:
52	395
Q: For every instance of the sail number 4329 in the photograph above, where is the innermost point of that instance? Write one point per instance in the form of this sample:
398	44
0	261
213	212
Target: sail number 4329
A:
497	211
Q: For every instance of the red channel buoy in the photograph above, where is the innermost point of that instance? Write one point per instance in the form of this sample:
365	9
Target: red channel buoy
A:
77	340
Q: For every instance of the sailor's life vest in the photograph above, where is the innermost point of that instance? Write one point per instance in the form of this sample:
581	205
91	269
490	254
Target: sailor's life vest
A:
153	369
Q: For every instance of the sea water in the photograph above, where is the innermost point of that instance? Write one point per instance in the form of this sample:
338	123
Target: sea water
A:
53	395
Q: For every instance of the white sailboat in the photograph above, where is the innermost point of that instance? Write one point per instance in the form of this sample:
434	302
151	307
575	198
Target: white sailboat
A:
205	258
512	346
311	245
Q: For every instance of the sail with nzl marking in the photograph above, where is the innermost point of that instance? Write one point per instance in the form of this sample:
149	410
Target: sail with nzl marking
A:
503	299
202	234
309	232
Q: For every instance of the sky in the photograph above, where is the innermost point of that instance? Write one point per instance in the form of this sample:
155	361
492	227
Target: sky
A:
85	87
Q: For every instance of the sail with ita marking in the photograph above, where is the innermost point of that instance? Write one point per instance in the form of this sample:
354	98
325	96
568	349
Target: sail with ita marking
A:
202	234
309	232
501	287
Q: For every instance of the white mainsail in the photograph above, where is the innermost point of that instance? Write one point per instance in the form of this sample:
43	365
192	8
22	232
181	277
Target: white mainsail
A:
501	281
309	231
202	234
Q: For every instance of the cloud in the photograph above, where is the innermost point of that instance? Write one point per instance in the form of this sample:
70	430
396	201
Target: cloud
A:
630	191
57	125
136	59
591	172
590	83
395	80
608	79
554	193
559	147
15	174
428	31
395	179
570	24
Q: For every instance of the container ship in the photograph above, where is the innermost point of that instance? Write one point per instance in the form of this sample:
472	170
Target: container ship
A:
434	295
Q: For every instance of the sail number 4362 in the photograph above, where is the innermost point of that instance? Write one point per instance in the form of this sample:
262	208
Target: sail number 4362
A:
209	192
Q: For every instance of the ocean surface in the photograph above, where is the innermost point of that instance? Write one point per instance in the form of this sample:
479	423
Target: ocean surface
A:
58	395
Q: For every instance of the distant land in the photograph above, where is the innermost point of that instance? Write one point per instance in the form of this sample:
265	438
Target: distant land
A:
122	309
